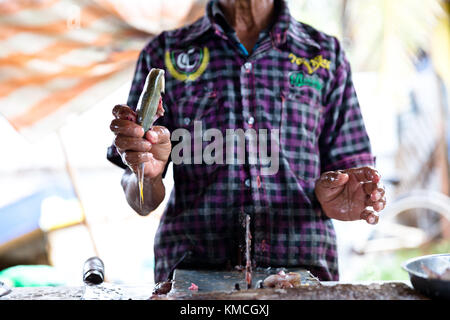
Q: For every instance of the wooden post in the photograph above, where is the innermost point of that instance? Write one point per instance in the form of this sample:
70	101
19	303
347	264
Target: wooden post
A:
71	173
443	161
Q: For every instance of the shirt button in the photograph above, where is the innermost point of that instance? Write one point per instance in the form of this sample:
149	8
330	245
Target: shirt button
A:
247	183
186	121
248	66
251	120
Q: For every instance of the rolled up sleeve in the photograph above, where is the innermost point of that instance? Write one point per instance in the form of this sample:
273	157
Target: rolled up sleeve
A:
344	142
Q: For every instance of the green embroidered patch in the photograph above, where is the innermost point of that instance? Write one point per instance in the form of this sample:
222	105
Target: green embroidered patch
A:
298	79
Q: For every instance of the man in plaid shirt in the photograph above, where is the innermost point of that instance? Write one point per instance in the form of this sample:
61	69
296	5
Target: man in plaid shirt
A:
249	65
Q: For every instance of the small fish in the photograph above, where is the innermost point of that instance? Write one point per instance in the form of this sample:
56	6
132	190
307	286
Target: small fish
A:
146	112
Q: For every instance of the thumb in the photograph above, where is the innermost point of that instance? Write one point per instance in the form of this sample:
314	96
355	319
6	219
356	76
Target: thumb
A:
158	135
333	179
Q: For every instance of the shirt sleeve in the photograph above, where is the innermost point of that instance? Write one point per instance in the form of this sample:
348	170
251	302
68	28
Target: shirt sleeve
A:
343	142
148	58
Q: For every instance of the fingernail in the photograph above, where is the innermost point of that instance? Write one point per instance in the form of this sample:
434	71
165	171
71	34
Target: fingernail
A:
371	220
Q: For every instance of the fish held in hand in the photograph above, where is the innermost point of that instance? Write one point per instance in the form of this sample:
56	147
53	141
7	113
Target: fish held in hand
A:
146	110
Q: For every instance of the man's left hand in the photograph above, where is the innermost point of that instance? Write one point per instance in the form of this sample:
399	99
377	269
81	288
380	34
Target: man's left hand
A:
349	194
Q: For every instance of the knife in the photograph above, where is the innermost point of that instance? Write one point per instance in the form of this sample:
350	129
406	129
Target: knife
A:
146	112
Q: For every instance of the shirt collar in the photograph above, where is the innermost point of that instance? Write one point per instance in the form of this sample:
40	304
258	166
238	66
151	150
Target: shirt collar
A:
217	15
285	24
205	24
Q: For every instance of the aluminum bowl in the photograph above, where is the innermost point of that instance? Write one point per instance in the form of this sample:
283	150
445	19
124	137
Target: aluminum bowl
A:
431	287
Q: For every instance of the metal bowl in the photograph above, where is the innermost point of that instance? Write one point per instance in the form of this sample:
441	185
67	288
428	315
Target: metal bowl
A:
433	288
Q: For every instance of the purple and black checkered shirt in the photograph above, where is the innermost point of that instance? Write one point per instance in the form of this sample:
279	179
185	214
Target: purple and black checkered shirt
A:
296	80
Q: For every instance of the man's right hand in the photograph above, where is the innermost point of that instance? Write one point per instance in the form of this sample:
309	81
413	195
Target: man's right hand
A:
153	149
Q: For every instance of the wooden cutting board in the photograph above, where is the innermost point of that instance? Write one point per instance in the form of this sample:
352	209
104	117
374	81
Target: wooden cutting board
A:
225	281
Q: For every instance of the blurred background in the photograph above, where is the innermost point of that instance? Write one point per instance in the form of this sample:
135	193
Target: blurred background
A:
64	64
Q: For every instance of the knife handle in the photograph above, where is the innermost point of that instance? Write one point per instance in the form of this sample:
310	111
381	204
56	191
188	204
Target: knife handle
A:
93	271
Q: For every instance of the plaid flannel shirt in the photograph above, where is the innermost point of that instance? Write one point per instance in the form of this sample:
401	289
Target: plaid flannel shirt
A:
296	80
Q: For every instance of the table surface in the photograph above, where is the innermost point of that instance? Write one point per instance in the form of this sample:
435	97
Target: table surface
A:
107	291
219	280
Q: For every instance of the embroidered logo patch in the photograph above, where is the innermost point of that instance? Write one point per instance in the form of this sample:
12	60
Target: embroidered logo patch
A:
298	79
187	64
311	64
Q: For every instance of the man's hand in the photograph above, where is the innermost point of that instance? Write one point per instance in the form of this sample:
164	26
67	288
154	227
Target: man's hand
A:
153	149
347	194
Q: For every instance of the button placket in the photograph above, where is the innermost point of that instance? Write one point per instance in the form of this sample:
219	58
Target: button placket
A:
247	89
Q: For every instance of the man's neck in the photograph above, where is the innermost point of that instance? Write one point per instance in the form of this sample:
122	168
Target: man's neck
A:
248	18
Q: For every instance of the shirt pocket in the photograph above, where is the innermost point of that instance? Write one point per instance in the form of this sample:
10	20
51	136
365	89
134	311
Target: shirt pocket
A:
195	106
300	118
195	113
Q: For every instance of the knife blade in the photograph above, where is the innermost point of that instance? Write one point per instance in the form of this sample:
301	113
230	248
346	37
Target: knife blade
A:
146	112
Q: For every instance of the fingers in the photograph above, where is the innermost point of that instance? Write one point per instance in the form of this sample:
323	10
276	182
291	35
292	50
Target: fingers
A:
158	135
365	174
133	159
124	112
125	143
376	199
370	203
375	196
126	128
377	205
137	147
380	205
125	124
333	179
373	190
370	216
369	187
